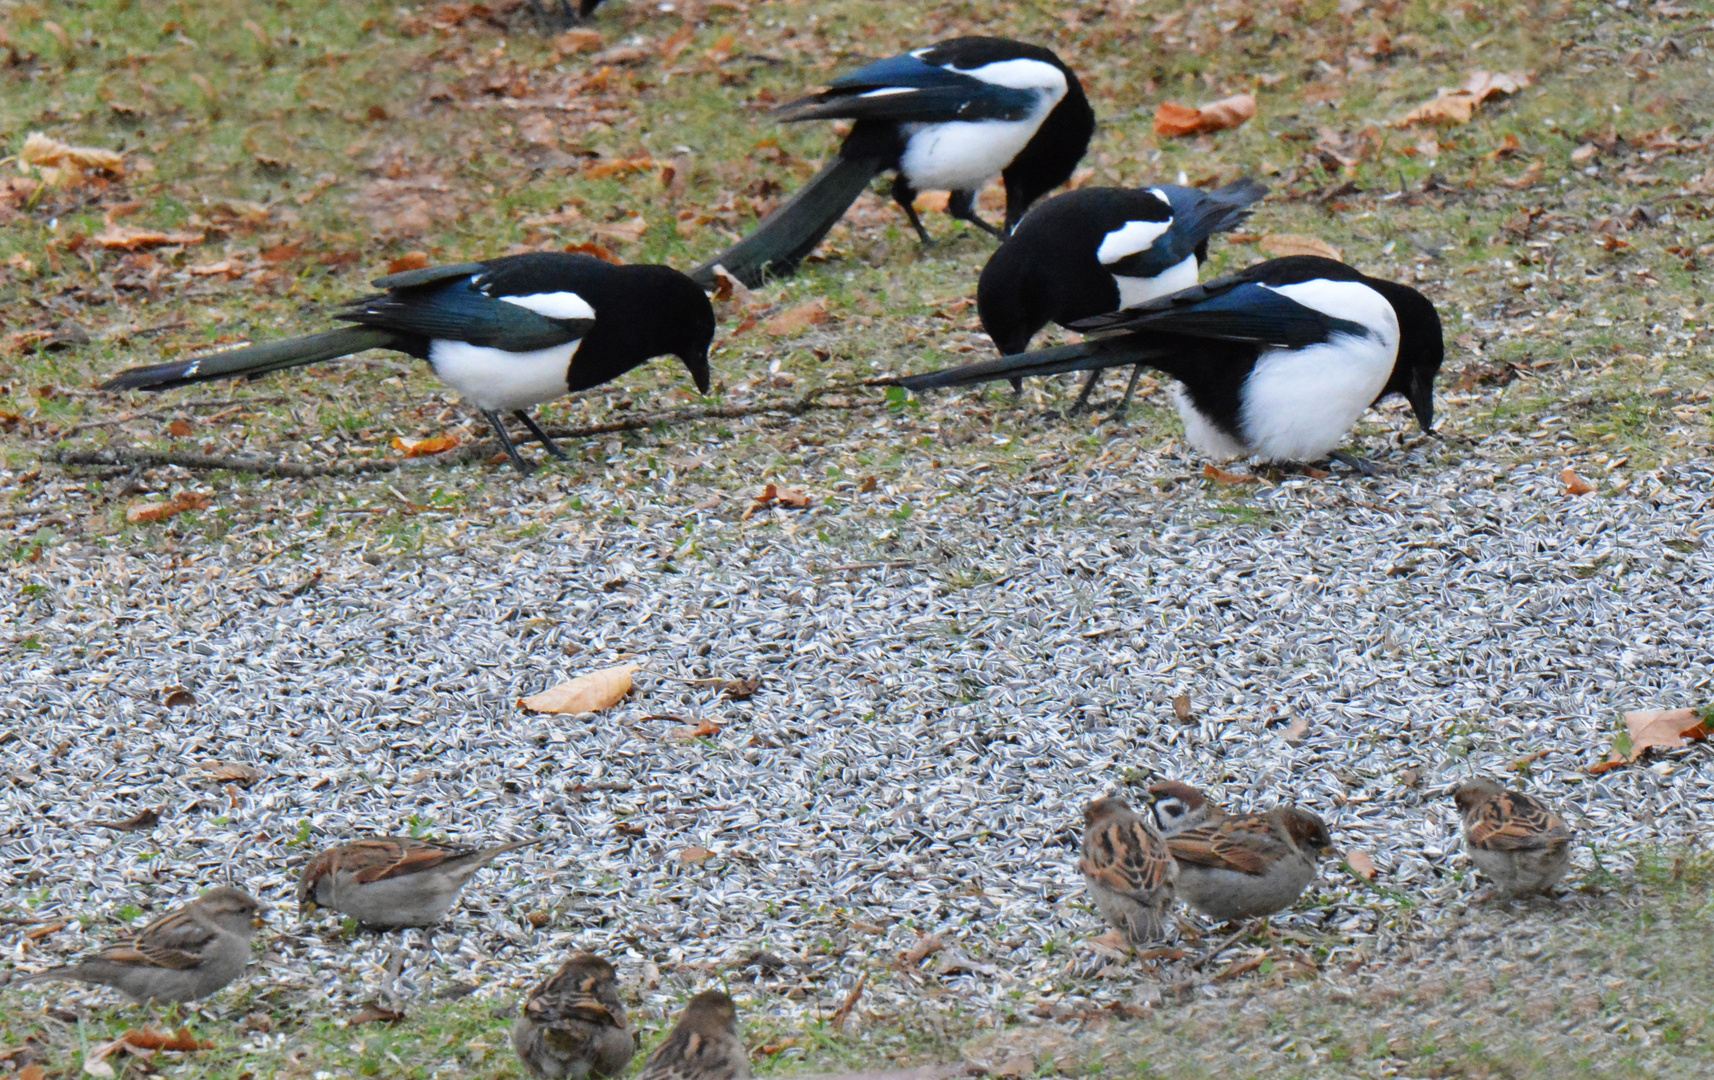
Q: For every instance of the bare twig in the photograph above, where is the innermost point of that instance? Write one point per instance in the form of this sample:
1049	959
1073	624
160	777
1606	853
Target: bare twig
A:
139	457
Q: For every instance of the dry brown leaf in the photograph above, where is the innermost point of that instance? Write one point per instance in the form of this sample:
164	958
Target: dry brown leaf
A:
410	260
139	513
1181	708
1583	153
728	287
671	47
742	689
576	41
628	231
1528	177
438	444
373	1013
926	946
179	429
1574	484
141	821
1288	244
31	1071
37	933
153	1038
844	1011
1361	864
1221	476
596	250
868	484
695	855
601	170
1174	121
721	50
1295	731
798	319
589	693
1655	729
702	729
128	238
42	151
177	697
231	772
1458	106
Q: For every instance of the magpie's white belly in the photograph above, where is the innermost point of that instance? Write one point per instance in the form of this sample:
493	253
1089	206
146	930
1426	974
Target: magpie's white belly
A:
494	379
1202	433
1140	290
1299	404
962	155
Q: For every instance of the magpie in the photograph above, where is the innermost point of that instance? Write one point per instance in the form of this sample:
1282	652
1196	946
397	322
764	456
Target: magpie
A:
1275	362
565	16
507	334
950	117
1097	250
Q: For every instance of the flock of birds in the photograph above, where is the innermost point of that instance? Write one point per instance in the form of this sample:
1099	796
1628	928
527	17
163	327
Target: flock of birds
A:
1275	362
1228	867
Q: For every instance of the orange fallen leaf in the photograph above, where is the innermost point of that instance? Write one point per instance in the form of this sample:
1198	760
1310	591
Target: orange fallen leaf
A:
728	287
1574	484
798	319
869	484
1174	120
591	248
1458	106
1528	177
1361	864
786	1043
721	50
1221	476
630	230
128	238
576	41
695	855
702	729
671	47
438	444
139	513
601	170
410	260
32	1071
40	150
179	429
377	1014
1287	244
593	692
153	1038
926	946
232	772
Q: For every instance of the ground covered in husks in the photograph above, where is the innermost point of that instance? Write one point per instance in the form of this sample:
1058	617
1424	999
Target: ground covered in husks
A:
847	784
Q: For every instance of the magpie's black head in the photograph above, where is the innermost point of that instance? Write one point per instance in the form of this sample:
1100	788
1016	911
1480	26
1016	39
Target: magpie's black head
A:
682	319
1051	156
1422	349
642	312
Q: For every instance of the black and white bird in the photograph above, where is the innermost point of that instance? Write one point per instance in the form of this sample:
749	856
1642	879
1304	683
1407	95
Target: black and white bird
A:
1275	362
564	16
950	117
508	334
1098	250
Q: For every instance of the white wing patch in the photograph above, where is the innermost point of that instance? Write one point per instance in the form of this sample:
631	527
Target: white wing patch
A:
1140	290
1130	238
1352	301
890	91
554	305
1019	75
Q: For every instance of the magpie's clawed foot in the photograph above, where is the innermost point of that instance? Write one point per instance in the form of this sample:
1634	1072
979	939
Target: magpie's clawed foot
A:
1367	468
499	425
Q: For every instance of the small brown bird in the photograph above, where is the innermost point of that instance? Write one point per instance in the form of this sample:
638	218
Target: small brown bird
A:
703	1046
1249	865
1128	869
186	954
1178	806
392	881
1513	838
574	1025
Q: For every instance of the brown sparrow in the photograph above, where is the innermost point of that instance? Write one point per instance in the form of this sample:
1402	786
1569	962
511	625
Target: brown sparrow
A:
703	1046
1513	838
187	954
1178	807
1128	869
390	881
1249	865
574	1024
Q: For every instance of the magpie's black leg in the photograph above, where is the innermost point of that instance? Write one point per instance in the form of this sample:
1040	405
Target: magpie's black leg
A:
542	24
499	424
1017	386
552	447
1364	467
1118	414
906	197
1083	398
962	207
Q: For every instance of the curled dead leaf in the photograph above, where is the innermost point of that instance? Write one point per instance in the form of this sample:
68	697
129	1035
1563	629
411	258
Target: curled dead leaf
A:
1655	729
410	260
1361	864
628	231
1295	731
702	729
1175	121
1181	708
695	855
926	946
153	1038
45	152
728	287
599	252
177	697
139	513
589	693
1221	476
1458	106
438	444
141	821
791	498
232	772
1574	484
742	689
373	1013
129	238
1285	245
798	319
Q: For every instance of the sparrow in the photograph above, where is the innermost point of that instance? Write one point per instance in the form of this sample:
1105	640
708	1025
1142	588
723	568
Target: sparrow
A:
186	954
1178	806
1248	865
703	1046
1513	838
1128	869
574	1025
392	881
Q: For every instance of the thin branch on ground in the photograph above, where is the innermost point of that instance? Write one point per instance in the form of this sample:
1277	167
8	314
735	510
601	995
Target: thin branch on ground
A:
130	456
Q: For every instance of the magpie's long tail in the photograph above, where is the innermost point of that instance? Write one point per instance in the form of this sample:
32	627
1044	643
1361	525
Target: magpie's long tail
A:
787	236
252	359
1224	209
1121	350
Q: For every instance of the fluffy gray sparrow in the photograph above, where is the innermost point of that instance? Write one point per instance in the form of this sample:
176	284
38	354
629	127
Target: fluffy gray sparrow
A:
1513	838
574	1025
1128	869
1179	806
187	954
703	1046
391	881
1249	865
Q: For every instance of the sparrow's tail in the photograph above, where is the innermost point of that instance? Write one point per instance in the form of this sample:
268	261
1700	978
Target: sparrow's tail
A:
500	849
1121	350
787	236
50	975
252	360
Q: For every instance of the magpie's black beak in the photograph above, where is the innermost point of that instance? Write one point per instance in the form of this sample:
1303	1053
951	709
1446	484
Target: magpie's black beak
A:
1421	398
698	369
